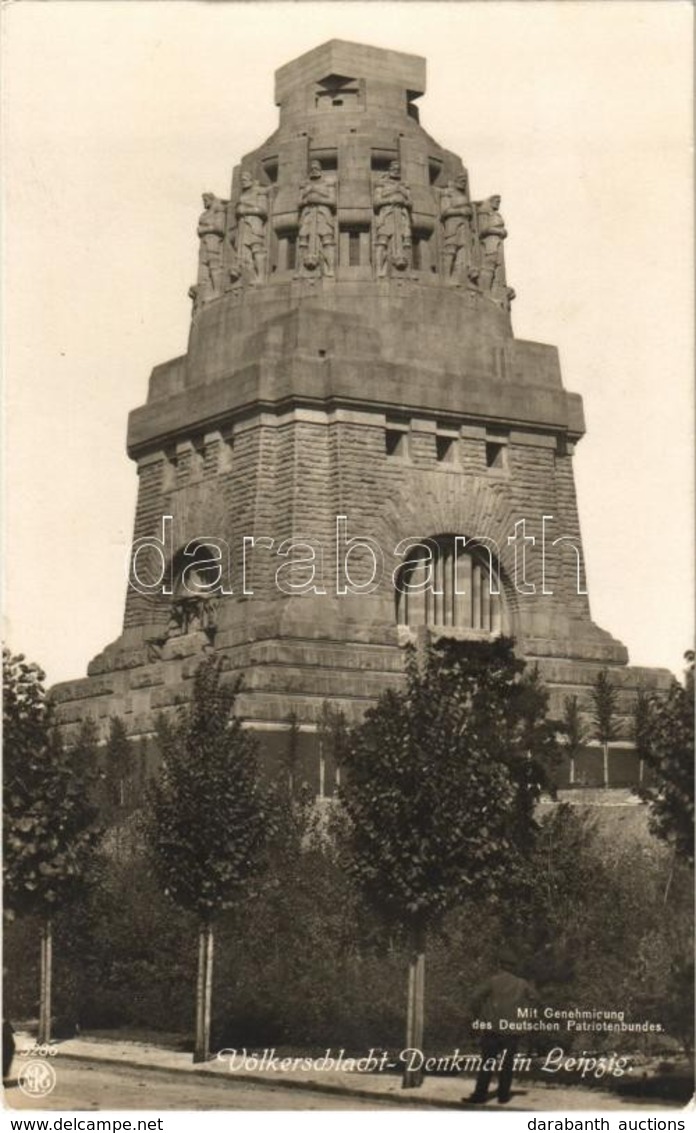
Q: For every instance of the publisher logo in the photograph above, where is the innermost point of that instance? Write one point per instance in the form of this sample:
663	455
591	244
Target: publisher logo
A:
36	1079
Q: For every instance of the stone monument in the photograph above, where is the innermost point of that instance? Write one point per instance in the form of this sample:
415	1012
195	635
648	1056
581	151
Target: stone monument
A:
355	452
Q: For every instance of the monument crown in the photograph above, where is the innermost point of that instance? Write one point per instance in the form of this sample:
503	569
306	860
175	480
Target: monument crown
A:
351	189
338	59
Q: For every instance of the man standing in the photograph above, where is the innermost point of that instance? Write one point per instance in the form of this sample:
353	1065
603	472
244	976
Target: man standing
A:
8	1047
496	1000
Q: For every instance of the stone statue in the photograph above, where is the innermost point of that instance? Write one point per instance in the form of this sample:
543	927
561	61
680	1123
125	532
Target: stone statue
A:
211	232
250	237
192	615
492	232
392	203
209	616
194	607
316	238
456	212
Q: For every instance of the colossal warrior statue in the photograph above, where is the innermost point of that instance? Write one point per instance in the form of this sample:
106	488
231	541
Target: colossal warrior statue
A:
211	231
316	238
392	202
456	212
492	232
250	234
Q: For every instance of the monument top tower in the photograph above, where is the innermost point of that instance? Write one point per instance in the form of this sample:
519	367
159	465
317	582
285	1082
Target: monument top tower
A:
351	238
340	74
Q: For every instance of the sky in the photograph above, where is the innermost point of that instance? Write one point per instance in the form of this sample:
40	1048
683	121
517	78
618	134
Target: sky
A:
117	115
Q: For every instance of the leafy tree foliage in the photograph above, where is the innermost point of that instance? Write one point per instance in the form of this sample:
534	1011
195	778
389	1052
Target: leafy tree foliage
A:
665	735
332	734
290	756
588	921
573	729
308	964
641	724
49	813
119	770
209	815
604	701
442	779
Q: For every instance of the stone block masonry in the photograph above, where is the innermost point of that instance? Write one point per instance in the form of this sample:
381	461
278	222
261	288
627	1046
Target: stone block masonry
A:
351	354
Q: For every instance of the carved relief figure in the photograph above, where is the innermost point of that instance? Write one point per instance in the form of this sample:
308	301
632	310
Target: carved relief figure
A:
194	607
211	232
456	212
316	238
250	237
392	202
193	615
176	626
492	232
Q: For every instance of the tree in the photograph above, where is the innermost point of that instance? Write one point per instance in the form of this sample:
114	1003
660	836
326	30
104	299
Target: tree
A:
290	756
332	731
119	795
208	817
573	730
588	920
49	815
441	781
119	768
605	700
641	727
667	746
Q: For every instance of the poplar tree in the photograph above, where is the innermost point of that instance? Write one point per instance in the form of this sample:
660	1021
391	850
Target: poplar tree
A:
119	770
208	817
49	812
573	731
604	701
667	746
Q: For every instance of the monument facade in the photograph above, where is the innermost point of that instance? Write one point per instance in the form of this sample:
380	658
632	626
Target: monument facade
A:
355	452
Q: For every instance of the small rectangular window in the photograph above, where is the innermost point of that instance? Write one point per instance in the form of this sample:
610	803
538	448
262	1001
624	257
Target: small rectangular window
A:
327	158
292	251
381	160
434	170
421	259
355	245
354	248
270	168
396	442
349	97
496	455
445	449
